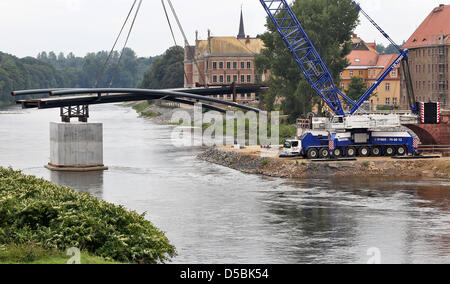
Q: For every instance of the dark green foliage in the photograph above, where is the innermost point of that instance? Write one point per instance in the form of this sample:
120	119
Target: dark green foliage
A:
26	73
53	217
329	24
356	88
167	71
51	71
84	72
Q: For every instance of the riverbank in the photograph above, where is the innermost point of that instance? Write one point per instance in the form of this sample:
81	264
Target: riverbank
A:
155	113
251	160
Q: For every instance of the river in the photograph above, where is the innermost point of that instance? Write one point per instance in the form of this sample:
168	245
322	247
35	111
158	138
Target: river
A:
215	215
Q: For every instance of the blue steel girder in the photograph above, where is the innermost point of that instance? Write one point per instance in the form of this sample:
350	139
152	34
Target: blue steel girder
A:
305	54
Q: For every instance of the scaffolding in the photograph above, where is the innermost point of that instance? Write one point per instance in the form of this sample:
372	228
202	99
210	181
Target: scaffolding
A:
440	75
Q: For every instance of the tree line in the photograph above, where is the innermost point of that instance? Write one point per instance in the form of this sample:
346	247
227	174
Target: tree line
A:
49	70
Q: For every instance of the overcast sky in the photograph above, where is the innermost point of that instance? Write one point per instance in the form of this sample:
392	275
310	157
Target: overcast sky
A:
80	26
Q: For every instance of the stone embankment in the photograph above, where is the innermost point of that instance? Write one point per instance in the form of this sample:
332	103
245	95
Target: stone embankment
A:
251	161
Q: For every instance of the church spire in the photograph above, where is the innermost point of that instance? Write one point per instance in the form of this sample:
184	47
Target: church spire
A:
241	34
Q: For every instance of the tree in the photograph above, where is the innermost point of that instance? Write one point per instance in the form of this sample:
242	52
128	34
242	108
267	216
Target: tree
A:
390	49
329	24
51	71
167	71
356	88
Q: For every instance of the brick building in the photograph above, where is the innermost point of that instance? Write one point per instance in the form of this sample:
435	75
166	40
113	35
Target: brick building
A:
429	58
219	61
367	64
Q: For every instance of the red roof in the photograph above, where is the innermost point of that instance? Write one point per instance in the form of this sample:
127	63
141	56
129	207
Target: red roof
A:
434	30
363	58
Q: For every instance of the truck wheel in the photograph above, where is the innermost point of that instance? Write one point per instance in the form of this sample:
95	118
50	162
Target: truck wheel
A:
351	152
401	151
338	152
376	151
313	153
364	152
390	151
324	153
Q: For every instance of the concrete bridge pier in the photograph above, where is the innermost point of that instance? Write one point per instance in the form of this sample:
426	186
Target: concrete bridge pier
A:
76	147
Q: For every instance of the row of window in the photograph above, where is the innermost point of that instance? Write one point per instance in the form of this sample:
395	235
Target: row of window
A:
431	51
241	96
231	65
372	73
432	86
229	79
394	101
432	68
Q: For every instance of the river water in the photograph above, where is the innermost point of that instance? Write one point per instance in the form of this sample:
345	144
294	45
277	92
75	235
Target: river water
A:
213	214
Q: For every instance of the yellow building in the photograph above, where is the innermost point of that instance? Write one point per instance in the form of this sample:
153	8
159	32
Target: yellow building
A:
366	63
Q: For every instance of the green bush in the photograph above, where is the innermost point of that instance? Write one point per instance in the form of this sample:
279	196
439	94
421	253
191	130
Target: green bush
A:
53	217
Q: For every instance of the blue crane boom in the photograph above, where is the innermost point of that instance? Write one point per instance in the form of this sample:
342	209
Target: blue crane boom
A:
305	54
310	62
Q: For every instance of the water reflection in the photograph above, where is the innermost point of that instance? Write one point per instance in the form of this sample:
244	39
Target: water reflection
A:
89	182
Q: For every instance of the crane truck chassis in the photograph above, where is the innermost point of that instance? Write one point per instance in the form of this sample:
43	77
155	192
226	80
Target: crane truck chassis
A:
355	143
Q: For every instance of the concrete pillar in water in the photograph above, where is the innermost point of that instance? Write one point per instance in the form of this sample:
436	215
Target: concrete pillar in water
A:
76	147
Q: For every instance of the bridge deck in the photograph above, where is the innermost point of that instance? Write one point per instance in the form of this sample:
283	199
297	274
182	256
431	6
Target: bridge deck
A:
105	98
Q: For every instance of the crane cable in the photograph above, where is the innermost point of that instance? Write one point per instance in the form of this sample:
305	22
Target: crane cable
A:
125	44
173	35
114	46
168	20
186	42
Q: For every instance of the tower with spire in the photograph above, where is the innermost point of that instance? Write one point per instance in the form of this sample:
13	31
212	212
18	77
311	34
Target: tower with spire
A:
241	34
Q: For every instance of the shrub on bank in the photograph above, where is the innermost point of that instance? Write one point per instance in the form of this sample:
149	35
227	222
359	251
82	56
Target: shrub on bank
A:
36	211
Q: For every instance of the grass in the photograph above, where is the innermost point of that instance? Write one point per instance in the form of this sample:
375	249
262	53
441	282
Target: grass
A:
33	254
266	162
141	107
150	114
366	164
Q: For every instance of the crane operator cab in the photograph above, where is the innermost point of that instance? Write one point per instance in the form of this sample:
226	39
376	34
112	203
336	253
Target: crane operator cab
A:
292	148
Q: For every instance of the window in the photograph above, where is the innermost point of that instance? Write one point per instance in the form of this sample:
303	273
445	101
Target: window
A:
341	74
214	65
214	79
228	78
221	78
242	79
228	65
388	101
242	65
394	101
220	65
394	73
351	73
249	78
249	65
361	73
235	78
388	87
235	65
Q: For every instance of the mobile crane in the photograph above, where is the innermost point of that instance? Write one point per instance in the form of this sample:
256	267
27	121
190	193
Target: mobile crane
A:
346	134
